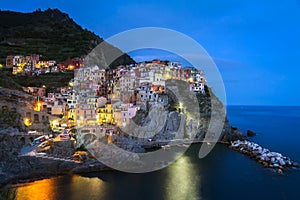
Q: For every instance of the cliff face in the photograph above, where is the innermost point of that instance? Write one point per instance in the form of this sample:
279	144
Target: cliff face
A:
10	163
177	126
13	166
205	102
191	122
50	33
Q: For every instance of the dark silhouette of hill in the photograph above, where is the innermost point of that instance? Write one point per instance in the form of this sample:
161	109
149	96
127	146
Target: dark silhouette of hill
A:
50	33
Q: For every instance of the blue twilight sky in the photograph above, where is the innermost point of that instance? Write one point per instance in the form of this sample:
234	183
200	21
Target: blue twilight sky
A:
255	44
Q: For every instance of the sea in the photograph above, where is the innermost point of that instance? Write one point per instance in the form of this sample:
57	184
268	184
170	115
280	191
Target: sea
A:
223	174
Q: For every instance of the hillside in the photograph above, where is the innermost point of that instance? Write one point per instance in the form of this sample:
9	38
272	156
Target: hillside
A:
50	33
6	80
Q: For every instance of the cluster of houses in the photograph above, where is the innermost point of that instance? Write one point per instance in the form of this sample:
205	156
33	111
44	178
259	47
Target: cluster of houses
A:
32	65
113	96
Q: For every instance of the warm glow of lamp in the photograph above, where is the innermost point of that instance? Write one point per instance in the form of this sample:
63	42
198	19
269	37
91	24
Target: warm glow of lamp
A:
27	121
19	69
38	106
71	67
55	122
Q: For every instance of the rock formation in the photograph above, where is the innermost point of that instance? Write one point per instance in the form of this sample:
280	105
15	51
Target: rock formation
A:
250	133
268	159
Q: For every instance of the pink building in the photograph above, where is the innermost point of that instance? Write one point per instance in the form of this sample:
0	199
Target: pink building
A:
41	92
124	113
86	114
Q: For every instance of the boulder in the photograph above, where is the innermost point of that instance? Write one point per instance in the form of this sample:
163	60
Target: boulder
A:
282	162
250	133
279	171
276	165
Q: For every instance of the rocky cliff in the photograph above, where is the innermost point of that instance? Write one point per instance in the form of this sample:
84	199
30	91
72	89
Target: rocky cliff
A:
191	121
16	168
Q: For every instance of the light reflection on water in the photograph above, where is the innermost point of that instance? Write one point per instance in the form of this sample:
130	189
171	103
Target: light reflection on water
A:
75	187
42	189
180	180
87	188
183	180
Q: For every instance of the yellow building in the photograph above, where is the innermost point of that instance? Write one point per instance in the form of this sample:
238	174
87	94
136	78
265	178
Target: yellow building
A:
72	114
105	114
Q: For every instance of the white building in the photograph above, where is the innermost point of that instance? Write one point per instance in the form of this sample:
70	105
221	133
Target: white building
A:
127	82
145	94
71	102
174	65
197	88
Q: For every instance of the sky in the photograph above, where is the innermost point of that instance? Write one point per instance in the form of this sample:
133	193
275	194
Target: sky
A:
255	44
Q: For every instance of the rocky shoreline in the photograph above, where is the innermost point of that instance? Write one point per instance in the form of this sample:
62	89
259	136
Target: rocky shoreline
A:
31	168
268	159
53	169
49	169
16	168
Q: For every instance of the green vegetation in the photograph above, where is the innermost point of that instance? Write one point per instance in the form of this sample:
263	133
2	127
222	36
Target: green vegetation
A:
8	194
50	33
6	80
9	118
50	80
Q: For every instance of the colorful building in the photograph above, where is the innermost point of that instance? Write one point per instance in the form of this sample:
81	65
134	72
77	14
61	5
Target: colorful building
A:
105	114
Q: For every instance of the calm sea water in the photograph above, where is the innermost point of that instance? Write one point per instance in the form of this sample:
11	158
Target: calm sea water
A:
223	174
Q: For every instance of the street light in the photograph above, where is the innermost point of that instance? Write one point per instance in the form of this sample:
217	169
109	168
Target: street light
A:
27	122
180	107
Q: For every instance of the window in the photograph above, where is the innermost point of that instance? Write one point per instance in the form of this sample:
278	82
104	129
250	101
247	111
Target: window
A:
36	118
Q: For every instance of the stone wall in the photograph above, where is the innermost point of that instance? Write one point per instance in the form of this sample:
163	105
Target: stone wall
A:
21	110
62	149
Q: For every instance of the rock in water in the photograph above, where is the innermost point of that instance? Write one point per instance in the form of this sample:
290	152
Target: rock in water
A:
279	171
250	133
